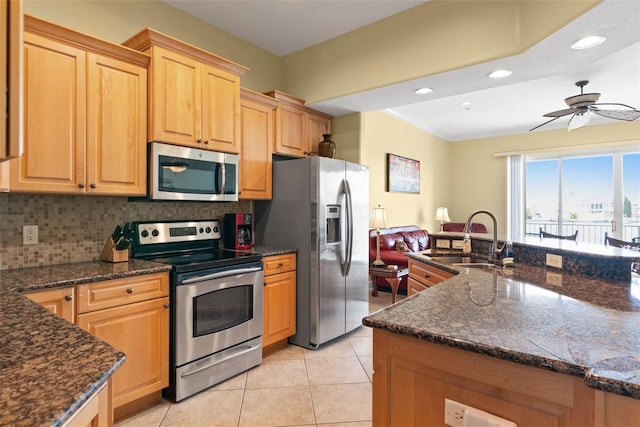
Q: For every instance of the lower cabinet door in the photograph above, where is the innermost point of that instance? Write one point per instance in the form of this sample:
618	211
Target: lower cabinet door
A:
279	307
141	331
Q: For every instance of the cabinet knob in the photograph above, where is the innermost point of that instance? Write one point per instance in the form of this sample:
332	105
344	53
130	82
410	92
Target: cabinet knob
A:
166	305
92	185
68	298
280	264
129	291
426	276
199	141
81	185
206	141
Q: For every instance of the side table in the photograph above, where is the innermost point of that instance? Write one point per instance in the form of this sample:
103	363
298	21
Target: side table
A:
391	276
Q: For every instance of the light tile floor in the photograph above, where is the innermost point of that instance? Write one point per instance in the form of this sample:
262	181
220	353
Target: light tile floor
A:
330	386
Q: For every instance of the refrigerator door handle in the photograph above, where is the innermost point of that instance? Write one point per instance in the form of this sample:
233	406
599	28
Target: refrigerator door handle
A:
347	192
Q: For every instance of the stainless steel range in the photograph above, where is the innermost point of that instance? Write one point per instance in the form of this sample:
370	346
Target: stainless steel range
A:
216	303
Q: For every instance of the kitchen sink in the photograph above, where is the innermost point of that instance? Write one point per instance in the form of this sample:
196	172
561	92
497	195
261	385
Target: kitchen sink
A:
463	261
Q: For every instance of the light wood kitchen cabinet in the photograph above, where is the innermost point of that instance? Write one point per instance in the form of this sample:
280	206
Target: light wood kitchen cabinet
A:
10	78
317	124
60	301
132	315
420	375
194	95
84	115
298	129
279	300
257	138
422	276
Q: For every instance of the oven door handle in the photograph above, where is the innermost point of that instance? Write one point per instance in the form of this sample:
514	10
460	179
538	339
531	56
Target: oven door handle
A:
220	274
237	353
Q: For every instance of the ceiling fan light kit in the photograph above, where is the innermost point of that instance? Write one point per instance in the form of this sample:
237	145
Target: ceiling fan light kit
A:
580	107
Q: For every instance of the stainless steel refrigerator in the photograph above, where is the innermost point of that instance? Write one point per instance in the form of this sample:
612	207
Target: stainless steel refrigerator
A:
320	207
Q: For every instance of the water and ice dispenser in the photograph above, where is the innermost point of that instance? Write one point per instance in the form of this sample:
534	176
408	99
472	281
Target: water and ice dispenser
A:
333	223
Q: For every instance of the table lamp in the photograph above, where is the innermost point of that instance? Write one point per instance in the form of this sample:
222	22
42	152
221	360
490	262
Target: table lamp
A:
378	221
442	215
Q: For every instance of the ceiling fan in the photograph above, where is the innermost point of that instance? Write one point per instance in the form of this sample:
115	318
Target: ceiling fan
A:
580	107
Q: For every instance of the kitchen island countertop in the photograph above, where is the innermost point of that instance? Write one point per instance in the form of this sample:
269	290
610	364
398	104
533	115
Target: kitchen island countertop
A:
530	315
48	366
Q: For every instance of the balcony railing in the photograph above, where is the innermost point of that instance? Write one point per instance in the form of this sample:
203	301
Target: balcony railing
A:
590	232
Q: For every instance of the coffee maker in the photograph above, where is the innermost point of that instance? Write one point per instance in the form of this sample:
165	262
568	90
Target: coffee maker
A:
237	231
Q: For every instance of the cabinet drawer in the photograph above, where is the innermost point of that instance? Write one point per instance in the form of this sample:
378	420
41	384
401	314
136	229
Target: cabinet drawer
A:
413	287
426	274
279	264
112	293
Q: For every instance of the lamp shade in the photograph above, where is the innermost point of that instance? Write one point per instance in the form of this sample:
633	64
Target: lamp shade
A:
442	215
378	219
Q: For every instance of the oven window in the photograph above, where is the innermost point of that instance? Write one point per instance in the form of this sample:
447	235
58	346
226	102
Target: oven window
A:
179	175
222	309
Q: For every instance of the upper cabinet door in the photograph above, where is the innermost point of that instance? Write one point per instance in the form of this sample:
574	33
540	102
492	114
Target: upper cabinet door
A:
290	131
10	79
54	118
257	135
317	125
220	110
116	126
176	98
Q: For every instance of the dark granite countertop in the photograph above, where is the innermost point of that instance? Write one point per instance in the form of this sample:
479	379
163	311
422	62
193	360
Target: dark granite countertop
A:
532	315
271	251
48	366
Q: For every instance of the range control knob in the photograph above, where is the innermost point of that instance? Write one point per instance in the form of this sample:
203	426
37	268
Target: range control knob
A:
155	233
144	233
208	229
215	229
201	230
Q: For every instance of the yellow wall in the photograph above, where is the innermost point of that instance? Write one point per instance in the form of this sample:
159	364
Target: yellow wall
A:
478	178
346	131
116	21
384	133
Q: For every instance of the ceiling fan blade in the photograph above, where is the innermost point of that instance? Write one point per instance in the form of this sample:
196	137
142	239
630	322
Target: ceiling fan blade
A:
560	113
548	121
628	115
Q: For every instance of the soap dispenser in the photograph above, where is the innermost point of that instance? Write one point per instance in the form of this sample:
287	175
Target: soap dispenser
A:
466	243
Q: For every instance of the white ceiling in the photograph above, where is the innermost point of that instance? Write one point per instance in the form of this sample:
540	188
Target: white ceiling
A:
542	77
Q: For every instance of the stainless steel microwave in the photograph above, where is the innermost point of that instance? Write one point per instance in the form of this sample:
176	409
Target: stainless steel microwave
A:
183	173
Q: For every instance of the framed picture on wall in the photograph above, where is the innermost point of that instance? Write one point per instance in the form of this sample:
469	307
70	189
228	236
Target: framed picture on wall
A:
403	174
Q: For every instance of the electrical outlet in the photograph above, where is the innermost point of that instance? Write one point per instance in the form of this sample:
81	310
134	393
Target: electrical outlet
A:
454	413
554	261
29	234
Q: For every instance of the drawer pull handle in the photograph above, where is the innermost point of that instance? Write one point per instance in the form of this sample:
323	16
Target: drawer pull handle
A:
68	298
129	291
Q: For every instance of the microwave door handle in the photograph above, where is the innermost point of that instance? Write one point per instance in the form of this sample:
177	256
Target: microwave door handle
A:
224	177
220	274
219	184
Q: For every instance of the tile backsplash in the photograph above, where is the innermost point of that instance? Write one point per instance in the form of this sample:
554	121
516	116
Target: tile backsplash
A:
75	228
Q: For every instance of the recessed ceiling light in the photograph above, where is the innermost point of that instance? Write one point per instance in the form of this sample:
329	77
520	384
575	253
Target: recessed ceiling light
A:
466	105
499	74
587	42
423	90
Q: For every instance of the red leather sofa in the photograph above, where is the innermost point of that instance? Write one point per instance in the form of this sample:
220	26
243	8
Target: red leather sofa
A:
414	238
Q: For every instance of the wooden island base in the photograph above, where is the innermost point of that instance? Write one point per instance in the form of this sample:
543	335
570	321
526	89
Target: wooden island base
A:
412	378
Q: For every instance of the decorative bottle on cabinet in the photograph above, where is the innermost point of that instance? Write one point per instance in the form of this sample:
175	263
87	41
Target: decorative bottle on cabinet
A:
327	148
